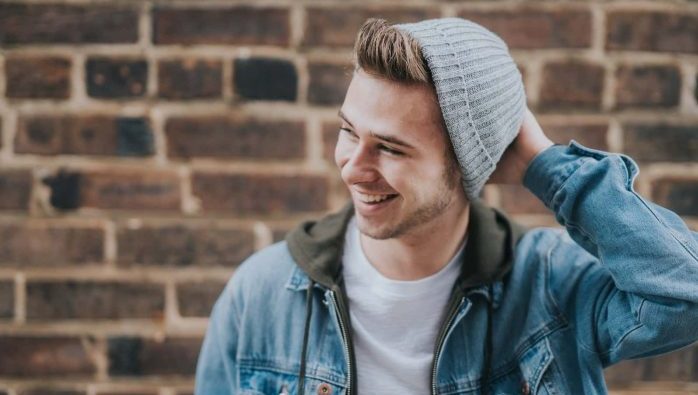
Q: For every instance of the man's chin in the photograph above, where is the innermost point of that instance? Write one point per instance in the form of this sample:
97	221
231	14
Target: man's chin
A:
378	231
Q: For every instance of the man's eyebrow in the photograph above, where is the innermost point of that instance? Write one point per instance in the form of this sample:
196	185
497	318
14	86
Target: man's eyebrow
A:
384	137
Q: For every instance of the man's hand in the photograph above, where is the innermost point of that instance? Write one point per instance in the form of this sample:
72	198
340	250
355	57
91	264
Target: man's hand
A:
514	162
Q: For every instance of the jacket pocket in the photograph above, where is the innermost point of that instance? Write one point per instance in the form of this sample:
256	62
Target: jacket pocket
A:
273	382
539	371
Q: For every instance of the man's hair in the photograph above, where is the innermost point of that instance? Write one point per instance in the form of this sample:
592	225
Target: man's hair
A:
386	51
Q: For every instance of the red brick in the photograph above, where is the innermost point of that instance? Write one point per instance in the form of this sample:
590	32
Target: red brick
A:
36	356
533	27
131	356
572	85
186	79
222	25
197	299
72	24
116	78
15	189
37	77
66	300
652	31
328	83
677	194
7	299
515	199
648	86
84	135
39	245
330	133
234	137
592	135
181	245
338	26
661	142
260	194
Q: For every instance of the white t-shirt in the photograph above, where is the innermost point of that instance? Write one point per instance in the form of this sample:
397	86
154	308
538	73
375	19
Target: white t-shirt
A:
395	323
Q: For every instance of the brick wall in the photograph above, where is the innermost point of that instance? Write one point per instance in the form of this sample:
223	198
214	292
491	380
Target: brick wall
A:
148	147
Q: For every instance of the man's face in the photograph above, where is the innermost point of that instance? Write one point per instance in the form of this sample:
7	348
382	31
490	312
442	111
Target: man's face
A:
394	157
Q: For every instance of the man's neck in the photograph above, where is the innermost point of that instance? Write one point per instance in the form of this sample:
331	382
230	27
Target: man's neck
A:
422	252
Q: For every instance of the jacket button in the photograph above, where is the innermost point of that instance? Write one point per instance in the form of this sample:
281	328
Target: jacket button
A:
525	388
324	389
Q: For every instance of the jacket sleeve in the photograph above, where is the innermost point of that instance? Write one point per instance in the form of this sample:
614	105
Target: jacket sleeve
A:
633	289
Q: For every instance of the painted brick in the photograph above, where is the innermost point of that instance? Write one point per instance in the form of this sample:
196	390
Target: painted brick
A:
328	83
260	194
181	246
187	79
66	300
132	356
231	137
661	142
677	194
37	77
115	78
38	356
70	24
652	31
196	299
265	79
573	85
7	299
15	189
648	86
228	25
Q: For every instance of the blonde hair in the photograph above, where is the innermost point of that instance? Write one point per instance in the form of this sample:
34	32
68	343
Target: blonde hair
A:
386	51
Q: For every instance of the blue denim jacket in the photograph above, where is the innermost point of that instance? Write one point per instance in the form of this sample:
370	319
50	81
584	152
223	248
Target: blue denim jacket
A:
620	281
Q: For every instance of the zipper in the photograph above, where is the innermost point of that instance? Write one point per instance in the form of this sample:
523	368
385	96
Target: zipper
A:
456	305
345	339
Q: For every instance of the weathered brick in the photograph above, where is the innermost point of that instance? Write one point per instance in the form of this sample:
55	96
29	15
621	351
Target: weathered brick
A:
592	134
186	79
37	356
515	199
234	137
122	189
197	299
572	85
49	391
652	31
648	86
265	79
534	27
116	78
260	194
330	134
181	245
84	135
661	142
328	83
37	77
62	23
240	25
66	300
7	299
131	356
15	189
31	244
678	194
338	26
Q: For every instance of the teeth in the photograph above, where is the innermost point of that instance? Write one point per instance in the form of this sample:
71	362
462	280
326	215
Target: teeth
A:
372	198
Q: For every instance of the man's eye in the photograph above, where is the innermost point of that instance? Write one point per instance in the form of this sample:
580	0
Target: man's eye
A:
390	150
347	131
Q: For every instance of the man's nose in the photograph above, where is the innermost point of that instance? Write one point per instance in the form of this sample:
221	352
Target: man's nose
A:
360	166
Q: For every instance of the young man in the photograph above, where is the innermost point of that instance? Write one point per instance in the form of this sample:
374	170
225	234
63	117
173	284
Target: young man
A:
417	287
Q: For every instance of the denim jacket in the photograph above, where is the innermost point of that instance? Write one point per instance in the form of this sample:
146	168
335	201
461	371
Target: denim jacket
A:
541	311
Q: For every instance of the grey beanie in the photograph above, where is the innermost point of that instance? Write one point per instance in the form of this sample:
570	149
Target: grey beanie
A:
480	92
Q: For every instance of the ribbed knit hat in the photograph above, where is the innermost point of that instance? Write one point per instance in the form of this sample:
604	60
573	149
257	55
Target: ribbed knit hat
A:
480	92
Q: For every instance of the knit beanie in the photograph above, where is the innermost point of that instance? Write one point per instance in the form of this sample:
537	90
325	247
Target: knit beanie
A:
480	92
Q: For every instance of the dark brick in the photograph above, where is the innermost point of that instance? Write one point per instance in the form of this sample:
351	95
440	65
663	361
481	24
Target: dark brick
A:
328	83
229	25
661	142
648	86
515	199
572	85
180	245
38	245
84	135
109	78
652	31
678	194
187	79
592	135
71	24
235	138
15	189
260	194
265	79
338	26
131	356
65	190
197	299
49	391
93	300
7	299
37	77
34	357
534	27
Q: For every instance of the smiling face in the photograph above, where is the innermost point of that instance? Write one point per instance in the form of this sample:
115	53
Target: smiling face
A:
395	158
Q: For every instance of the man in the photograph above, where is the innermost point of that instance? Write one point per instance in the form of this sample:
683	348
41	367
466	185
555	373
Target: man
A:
417	287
